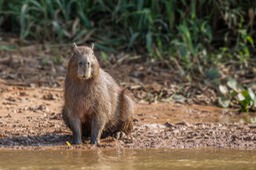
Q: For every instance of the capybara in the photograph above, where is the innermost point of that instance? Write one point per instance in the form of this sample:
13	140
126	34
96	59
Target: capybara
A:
94	102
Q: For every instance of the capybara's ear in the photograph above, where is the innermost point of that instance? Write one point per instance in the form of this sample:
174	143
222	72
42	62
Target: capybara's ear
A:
75	48
92	46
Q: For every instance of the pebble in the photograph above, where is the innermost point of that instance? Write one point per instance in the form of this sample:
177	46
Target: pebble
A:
252	126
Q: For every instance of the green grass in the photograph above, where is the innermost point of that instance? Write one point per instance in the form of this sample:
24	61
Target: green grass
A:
187	30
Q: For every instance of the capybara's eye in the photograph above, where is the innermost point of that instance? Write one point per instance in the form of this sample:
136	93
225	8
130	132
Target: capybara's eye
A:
80	63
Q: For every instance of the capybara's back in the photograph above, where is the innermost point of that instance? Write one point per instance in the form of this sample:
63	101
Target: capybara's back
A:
94	102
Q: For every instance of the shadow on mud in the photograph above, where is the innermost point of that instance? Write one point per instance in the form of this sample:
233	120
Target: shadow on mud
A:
42	140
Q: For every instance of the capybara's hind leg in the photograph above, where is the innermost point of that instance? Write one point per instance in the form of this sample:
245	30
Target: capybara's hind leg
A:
127	115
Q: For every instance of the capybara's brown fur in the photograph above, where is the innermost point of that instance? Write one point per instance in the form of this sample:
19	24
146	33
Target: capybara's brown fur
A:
94	102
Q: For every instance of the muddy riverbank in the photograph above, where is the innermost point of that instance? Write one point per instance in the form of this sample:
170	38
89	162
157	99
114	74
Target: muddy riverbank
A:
30	118
31	97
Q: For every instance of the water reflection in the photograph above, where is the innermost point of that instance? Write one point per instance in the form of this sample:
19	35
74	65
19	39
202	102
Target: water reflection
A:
129	159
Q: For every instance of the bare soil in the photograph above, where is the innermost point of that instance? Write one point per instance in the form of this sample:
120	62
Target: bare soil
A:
31	97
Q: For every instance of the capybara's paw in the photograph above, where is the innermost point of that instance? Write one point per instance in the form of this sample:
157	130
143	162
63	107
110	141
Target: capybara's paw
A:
94	142
77	142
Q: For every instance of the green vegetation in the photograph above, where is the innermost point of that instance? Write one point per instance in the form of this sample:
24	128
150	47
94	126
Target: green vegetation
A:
234	93
186	30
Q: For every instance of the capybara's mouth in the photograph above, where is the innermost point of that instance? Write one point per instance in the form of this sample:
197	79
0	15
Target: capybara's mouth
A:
84	76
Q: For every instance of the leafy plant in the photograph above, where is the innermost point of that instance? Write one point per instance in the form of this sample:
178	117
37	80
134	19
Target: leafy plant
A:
189	31
233	92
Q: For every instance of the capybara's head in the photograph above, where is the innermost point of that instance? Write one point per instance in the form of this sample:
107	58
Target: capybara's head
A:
83	63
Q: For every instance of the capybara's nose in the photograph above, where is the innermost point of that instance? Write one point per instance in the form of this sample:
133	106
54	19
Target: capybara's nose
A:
88	63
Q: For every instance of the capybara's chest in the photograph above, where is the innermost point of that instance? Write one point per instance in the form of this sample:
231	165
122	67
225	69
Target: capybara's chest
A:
80	102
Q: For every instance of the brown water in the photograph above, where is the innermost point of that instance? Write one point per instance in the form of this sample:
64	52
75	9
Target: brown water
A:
129	159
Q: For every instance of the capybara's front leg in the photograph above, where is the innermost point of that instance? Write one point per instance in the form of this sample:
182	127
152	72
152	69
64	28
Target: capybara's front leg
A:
76	129
96	130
